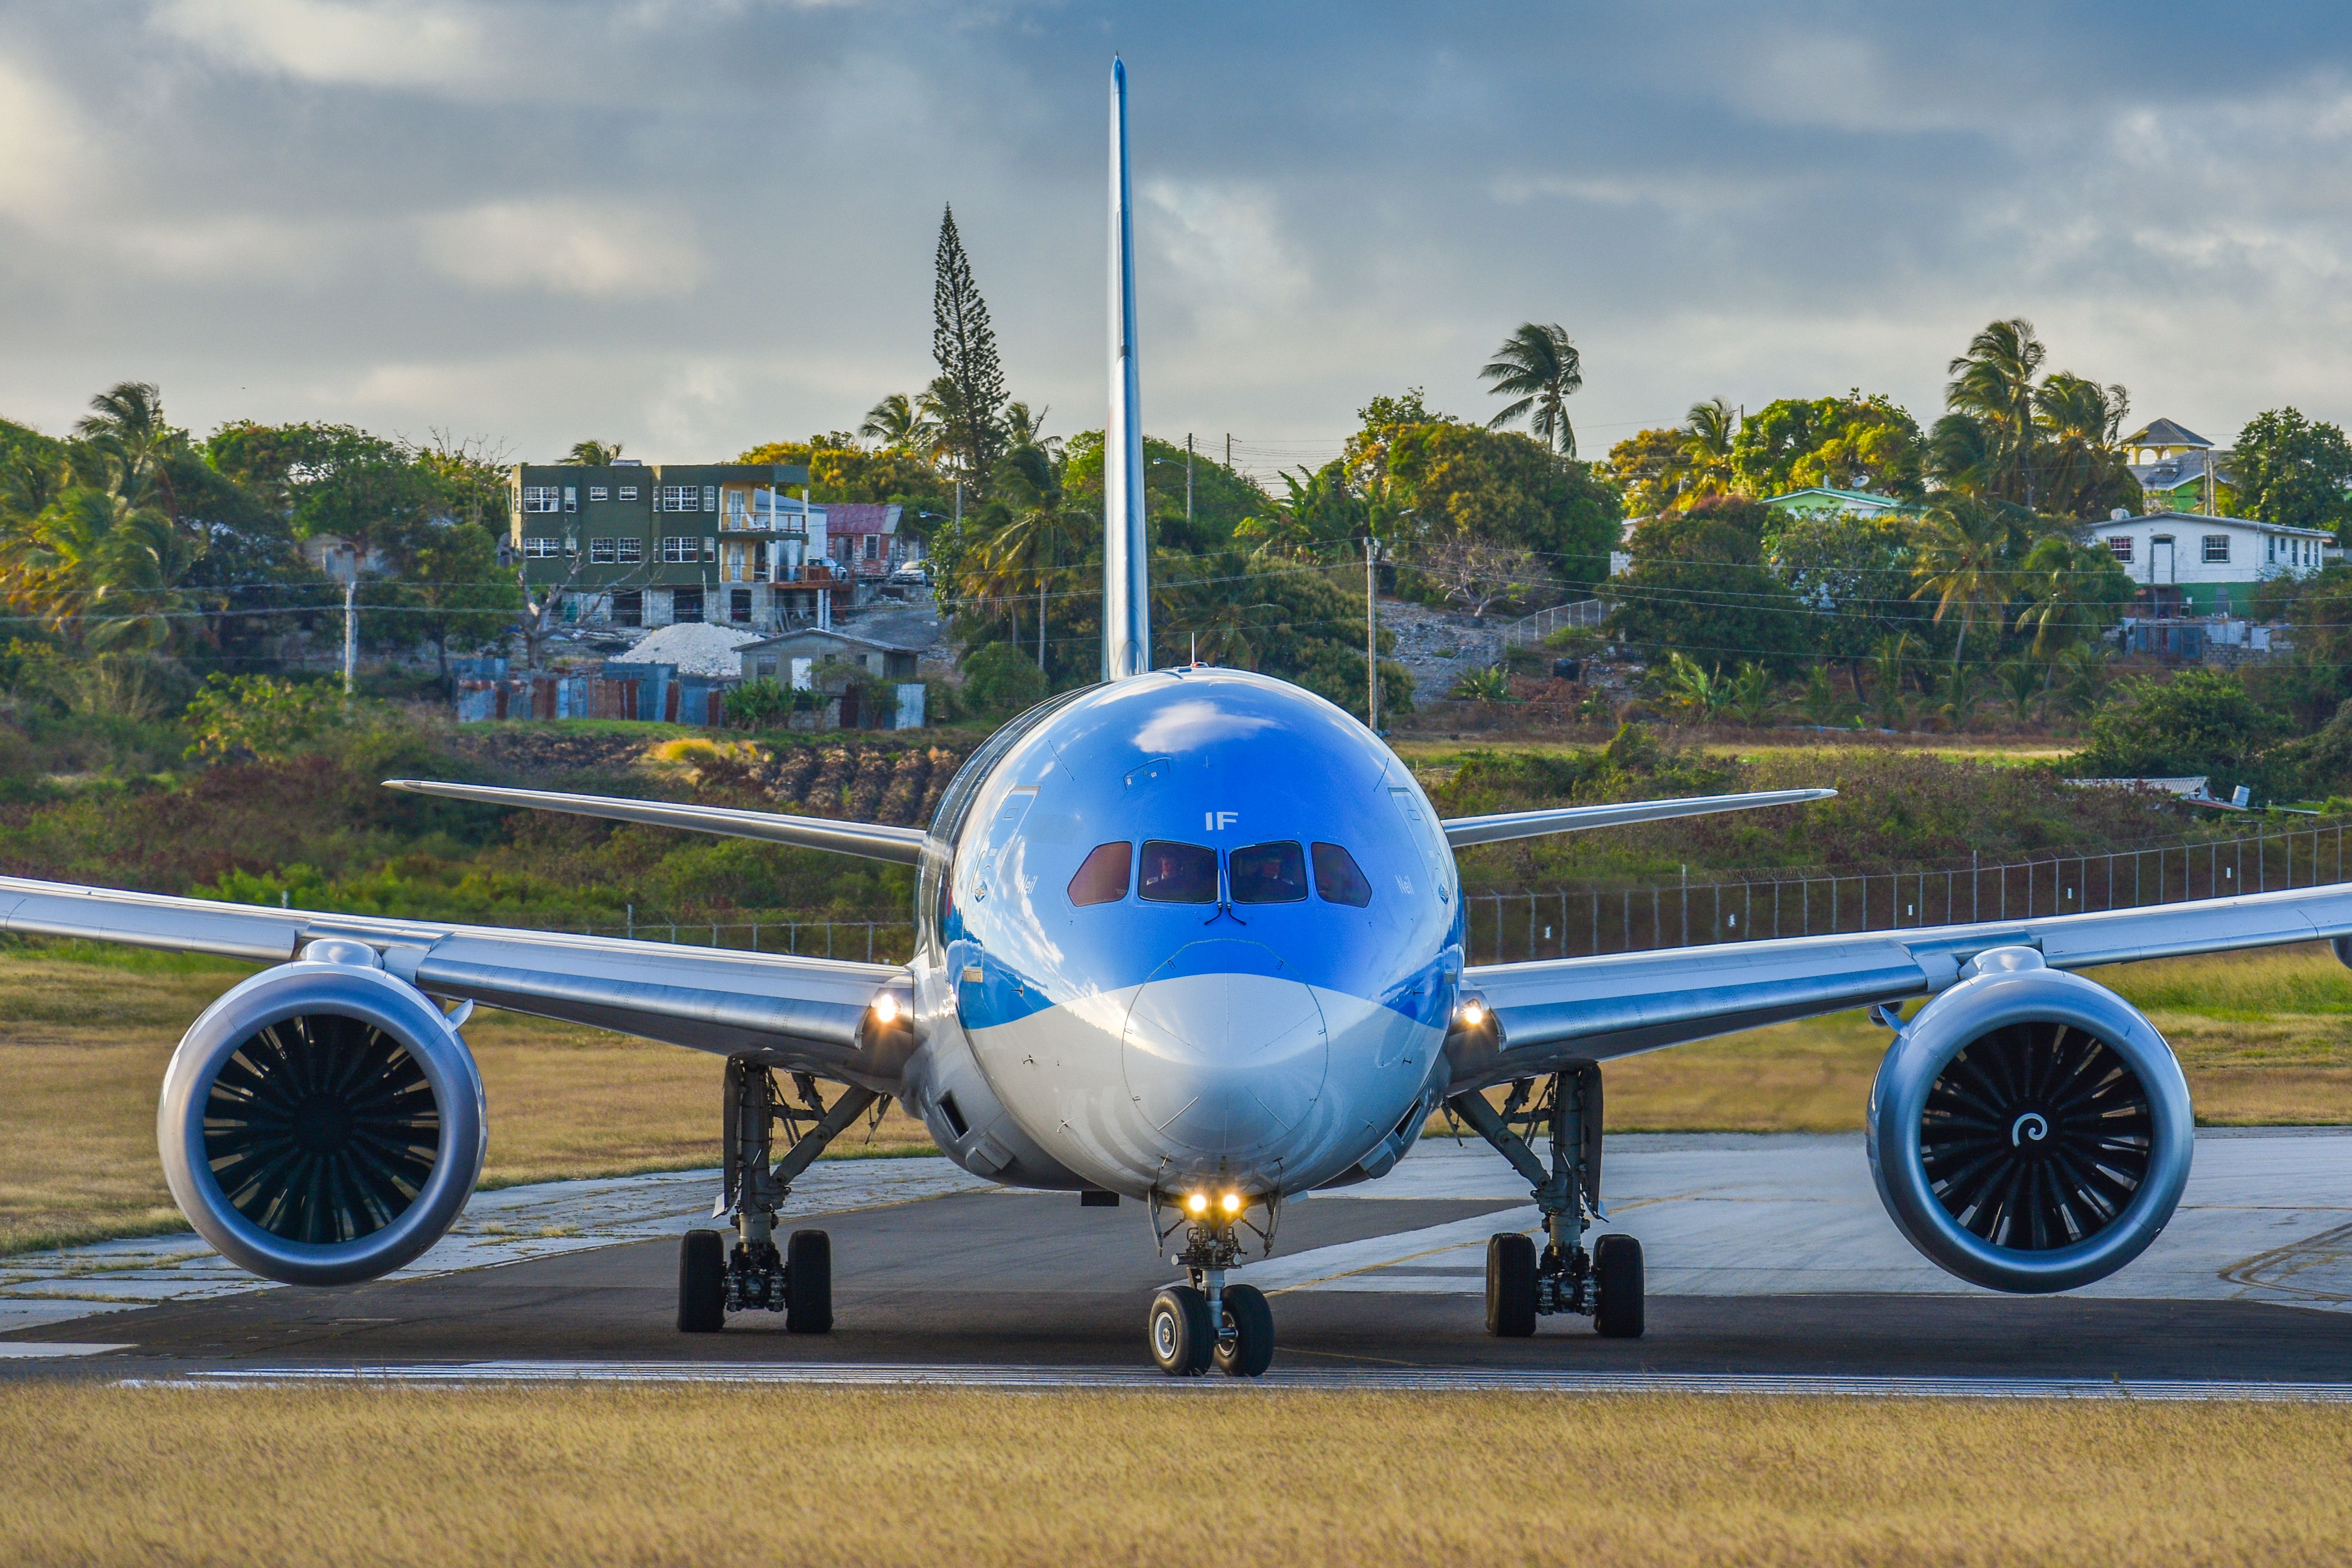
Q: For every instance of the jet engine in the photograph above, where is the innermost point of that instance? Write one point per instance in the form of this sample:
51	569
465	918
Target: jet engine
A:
2030	1130
322	1123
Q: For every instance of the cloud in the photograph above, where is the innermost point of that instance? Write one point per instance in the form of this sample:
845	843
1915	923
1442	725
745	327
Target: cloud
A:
369	43
593	251
43	150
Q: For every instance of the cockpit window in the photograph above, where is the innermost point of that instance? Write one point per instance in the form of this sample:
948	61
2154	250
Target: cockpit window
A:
1177	873
1339	878
1103	879
1268	874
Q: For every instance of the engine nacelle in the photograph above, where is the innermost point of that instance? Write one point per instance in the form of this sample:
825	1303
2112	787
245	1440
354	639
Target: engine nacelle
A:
2030	1130
321	1123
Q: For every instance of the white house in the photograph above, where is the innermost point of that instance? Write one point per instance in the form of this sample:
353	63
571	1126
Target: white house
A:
2214	561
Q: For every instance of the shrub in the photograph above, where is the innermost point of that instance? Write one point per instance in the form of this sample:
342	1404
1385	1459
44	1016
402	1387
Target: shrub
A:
1000	678
257	716
758	704
2200	721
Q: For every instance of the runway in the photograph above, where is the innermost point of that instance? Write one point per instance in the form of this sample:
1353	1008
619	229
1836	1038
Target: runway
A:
1772	1268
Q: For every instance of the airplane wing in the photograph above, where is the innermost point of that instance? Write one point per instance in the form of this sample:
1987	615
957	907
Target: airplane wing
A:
873	840
1465	830
1561	1009
807	1014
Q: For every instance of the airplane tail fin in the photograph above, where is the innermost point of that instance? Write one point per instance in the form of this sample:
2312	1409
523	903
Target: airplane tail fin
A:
1127	546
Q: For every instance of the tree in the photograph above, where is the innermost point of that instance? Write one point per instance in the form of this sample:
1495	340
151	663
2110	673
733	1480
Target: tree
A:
2200	721
1708	433
964	344
1853	443
593	453
1958	558
2294	471
126	425
1853	573
900	426
1541	369
1476	573
1460	480
458	588
1699	587
1649	471
2075	591
1992	386
2080	468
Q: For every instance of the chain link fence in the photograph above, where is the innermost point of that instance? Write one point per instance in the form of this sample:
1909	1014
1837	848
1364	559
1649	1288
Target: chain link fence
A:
1592	919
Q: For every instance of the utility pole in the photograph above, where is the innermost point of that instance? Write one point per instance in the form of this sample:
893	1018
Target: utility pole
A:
1371	637
351	625
1188	480
1229	450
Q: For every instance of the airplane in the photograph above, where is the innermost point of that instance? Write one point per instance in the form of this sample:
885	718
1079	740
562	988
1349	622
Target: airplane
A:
1189	936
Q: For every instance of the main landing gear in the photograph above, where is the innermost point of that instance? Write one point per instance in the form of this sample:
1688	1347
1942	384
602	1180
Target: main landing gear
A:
1209	1322
1606	1283
714	1280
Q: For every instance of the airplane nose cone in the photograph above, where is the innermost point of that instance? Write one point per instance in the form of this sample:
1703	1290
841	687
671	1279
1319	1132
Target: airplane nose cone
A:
1225	1048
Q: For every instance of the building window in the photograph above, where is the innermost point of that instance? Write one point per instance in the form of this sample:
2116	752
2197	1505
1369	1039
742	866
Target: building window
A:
603	552
873	546
629	493
711	497
571	498
739	510
629	608
539	549
710	547
2120	545
679	547
633	550
2270	547
597	492
2217	548
680	498
686	605
739	605
541	497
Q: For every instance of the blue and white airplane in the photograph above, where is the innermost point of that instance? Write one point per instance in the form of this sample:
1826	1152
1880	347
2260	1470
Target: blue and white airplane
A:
1189	936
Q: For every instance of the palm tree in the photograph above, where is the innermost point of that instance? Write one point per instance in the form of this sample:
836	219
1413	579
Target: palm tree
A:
1539	368
1992	383
126	425
593	453
1706	436
2078	425
1318	515
1026	554
1022	429
1957	556
900	423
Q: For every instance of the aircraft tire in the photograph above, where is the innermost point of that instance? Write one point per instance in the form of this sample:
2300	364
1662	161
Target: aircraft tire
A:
1510	1286
1178	1331
701	1282
808	1283
1251	1350
1617	1288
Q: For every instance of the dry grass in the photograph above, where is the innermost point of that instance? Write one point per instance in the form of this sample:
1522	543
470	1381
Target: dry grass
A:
83	1046
656	1476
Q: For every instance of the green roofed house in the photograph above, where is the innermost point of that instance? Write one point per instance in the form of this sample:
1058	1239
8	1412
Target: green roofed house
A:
2177	470
1821	501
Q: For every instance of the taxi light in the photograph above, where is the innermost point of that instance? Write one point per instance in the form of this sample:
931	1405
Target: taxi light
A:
1232	1202
886	1009
1197	1203
1473	1014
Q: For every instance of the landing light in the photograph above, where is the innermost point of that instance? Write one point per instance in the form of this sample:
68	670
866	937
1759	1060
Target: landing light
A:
1232	1202
1197	1203
1473	1014
886	1009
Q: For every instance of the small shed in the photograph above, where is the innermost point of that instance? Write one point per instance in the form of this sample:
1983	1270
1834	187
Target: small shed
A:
794	658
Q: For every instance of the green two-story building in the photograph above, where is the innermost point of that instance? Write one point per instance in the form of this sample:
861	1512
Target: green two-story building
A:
646	544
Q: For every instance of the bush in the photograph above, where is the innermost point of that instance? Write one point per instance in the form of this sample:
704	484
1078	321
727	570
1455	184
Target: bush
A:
2200	721
258	717
758	704
998	679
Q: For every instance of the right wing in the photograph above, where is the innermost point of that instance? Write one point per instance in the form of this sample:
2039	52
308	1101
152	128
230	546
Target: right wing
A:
1562	1009
873	840
805	1015
1461	831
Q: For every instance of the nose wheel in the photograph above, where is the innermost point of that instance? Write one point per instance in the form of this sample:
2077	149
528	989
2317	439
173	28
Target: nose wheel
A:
1206	1324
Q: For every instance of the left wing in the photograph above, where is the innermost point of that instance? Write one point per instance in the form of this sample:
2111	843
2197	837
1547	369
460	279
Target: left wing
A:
873	840
1559	1009
807	1014
1465	830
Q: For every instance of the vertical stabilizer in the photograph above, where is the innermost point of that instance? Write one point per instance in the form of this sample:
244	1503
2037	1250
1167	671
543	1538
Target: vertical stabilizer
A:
1127	549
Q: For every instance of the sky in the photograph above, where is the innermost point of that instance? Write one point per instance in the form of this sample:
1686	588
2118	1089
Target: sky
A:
692	225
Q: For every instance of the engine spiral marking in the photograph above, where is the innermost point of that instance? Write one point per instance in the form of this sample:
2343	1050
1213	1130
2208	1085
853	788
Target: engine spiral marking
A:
2033	1124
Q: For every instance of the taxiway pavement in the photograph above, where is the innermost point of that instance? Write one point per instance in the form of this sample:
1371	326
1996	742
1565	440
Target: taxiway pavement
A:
1770	1260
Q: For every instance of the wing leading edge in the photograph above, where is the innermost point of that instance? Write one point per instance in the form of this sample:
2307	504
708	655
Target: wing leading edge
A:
873	840
812	1015
1462	831
1557	1009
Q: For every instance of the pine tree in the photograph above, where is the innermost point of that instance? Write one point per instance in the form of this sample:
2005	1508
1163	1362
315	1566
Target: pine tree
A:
965	345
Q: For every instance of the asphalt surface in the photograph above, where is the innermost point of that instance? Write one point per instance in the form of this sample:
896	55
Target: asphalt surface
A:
1767	1261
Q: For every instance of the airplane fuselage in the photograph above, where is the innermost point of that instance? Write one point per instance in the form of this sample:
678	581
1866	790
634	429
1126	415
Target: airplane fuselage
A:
1196	928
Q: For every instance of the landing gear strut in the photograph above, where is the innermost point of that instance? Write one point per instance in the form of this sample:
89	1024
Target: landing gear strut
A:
1209	1322
1605	1283
753	1276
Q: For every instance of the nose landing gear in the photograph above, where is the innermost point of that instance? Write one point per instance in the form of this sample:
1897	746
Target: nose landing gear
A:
753	1276
1606	1283
1209	1322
